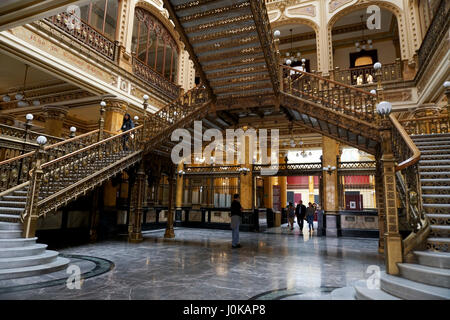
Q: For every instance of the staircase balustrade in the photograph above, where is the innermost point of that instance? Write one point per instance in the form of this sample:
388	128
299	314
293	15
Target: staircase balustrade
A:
23	134
426	125
15	171
409	186
336	96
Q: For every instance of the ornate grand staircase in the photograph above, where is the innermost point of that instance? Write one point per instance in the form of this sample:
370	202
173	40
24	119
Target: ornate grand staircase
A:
39	182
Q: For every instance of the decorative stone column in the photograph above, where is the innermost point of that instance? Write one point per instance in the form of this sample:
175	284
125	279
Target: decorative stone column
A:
54	119
282	182
179	193
169	228
311	188
138	198
392	238
246	180
379	190
330	151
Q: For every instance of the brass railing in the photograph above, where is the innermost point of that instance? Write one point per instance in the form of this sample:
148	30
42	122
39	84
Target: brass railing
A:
58	181
408	185
336	96
84	33
366	75
23	134
426	125
177	111
155	79
14	171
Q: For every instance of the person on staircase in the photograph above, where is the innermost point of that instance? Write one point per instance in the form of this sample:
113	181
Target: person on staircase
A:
127	125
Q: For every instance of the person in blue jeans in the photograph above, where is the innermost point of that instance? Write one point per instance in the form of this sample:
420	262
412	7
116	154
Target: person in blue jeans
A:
236	214
310	216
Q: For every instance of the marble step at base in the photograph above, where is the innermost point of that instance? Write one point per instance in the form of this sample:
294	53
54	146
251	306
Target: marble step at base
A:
14	273
439	218
433	259
433	147
411	290
438	244
427	142
345	293
13	204
364	293
47	256
424	274
435	190
36	249
440	231
10	226
20	242
10	234
429	137
12	218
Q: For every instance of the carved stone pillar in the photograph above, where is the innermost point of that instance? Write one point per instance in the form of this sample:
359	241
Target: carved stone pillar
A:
392	238
115	110
330	192
54	119
282	181
170	218
379	190
246	180
138	198
179	193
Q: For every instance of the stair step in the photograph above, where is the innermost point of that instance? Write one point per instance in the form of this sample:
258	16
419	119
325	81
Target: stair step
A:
47	256
13	273
430	136
434	156
438	196
441	151
438	180
37	248
431	142
440	230
434	146
10	234
13	218
435	173
436	205
364	293
10	226
424	274
16	198
345	293
11	210
20	193
12	204
431	162
21	242
433	259
438	244
412	290
440	167
428	188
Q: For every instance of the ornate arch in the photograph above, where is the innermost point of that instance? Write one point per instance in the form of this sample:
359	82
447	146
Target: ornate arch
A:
399	15
309	23
163	20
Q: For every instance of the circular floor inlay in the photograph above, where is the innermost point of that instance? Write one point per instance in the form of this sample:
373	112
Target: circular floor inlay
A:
101	266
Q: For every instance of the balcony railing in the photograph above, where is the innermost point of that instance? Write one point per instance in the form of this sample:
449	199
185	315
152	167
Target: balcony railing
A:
153	78
84	33
437	30
366	75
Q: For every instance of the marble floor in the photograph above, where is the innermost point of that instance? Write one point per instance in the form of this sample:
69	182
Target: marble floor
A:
200	264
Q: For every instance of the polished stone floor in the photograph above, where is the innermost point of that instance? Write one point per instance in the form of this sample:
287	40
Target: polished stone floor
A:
200	264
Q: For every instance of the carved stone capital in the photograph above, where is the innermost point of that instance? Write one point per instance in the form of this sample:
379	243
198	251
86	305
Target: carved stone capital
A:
116	105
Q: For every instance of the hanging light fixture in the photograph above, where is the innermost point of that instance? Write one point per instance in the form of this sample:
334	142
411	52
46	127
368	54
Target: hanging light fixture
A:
22	100
292	57
363	44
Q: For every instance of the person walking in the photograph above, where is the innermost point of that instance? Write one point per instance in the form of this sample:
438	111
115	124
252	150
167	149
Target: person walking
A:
127	124
310	216
291	215
300	212
236	214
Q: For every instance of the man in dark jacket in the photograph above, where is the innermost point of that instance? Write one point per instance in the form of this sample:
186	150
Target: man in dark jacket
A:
300	212
236	214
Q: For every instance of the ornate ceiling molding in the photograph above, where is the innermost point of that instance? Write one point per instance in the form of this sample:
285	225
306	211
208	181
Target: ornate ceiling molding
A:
333	5
309	10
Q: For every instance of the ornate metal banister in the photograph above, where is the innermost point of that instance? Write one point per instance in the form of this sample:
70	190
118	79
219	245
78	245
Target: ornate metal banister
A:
23	134
14	171
70	175
339	97
426	125
408	185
